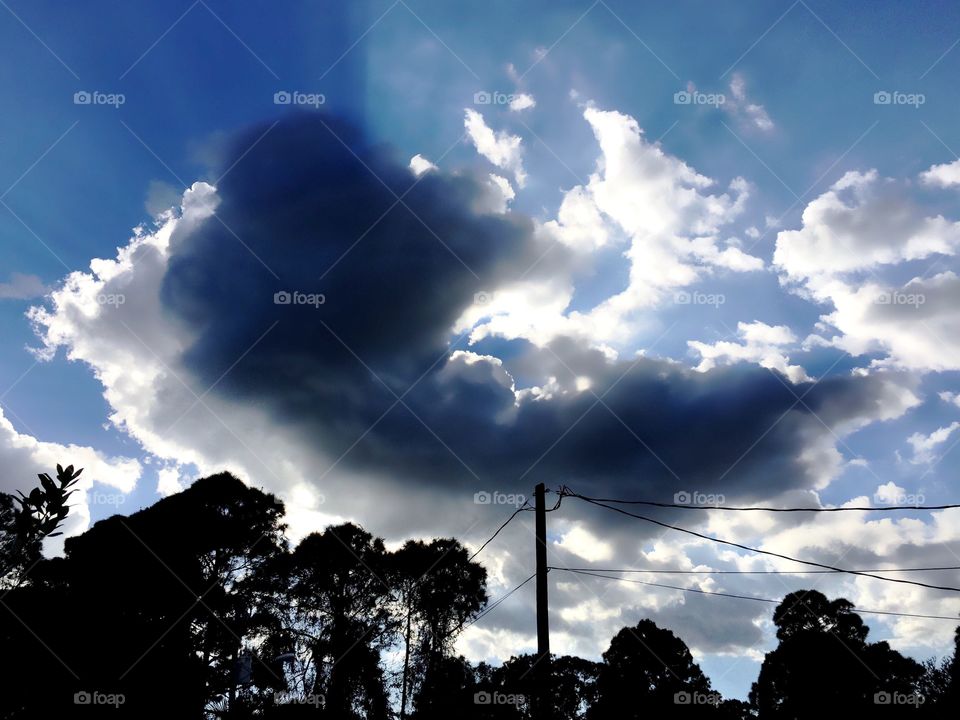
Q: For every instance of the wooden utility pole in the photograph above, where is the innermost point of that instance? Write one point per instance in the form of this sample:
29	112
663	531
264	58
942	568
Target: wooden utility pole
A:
542	666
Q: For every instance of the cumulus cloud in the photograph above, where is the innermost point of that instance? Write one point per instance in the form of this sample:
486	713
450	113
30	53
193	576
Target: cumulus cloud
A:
522	101
945	175
925	446
762	344
372	405
660	209
500	148
419	165
853	236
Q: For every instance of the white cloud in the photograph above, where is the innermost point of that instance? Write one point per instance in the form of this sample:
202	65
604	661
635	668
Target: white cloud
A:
503	190
761	343
501	148
664	212
522	101
945	175
925	446
861	227
419	165
168	481
582	543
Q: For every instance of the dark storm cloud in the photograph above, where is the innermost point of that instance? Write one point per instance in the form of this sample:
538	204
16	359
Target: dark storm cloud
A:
295	203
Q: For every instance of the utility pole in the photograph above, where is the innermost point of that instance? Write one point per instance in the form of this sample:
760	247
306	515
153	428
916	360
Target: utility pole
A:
542	664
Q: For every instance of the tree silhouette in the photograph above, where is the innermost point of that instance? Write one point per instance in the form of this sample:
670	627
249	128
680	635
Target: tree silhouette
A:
649	672
39	515
196	607
823	662
340	619
437	589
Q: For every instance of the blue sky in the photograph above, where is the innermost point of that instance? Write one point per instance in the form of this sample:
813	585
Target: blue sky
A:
799	80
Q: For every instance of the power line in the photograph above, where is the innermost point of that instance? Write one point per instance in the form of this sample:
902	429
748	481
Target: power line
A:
506	522
749	597
748	548
522	508
682	506
490	608
754	572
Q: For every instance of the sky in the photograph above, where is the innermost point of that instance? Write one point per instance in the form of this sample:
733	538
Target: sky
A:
398	262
